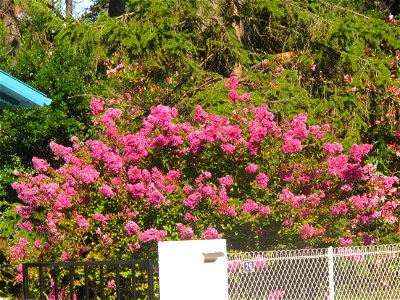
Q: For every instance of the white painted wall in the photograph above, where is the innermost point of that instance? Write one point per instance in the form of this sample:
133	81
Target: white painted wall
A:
184	275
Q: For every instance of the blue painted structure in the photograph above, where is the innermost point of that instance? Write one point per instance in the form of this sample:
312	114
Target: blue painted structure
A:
14	93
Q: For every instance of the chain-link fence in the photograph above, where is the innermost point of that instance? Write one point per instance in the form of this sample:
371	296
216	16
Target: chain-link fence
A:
352	273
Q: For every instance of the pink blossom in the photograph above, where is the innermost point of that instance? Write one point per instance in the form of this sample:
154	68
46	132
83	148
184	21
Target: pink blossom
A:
24	211
210	234
81	222
19	252
336	164
318	132
19	276
258	134
202	179
27	225
101	218
298	200
262	180
89	175
291	146
208	191
233	96
192	200
351	172
307	231
264	211
232	82
347	78
65	256
106	191
357	152
113	163
134	174
314	199
227	210
173	175
244	98
105	238
286	195
96	106
49	189
60	151
200	115
108	119
170	189
347	188
162	116
187	189
133	247
360	202
346	240
287	177
189	217
340	208
249	206
226	181
37	244
62	202
131	228
288	222
111	284
251	168
137	190
184	232
152	234
40	164
228	148
99	232
334	148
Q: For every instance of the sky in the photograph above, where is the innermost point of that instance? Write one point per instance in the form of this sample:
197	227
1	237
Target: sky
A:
80	6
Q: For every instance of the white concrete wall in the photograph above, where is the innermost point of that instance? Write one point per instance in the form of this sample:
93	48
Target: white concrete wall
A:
184	274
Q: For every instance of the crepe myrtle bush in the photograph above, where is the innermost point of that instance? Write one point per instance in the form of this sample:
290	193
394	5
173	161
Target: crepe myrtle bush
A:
155	177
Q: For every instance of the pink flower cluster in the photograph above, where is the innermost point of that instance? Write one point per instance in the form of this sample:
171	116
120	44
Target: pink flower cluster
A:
184	232
211	234
153	234
308	231
137	177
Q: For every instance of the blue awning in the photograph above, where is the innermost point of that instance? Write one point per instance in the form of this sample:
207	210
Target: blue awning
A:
14	93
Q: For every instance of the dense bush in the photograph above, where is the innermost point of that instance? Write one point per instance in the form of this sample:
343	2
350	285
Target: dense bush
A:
246	178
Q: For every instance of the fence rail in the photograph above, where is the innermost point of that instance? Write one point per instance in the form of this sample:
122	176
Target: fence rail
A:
351	273
116	279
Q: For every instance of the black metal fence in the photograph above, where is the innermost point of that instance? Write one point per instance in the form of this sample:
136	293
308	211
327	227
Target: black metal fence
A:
115	279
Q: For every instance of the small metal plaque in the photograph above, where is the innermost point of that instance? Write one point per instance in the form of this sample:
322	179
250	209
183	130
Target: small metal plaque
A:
249	266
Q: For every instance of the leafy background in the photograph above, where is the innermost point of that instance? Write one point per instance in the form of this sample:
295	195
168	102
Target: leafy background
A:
336	60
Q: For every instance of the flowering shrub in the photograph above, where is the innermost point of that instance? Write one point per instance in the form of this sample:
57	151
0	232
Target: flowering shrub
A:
149	178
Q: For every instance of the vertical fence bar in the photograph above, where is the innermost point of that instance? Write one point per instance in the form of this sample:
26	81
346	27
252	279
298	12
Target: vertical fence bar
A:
41	283
331	274
86	282
118	283
25	278
56	283
150	279
101	283
71	283
134	282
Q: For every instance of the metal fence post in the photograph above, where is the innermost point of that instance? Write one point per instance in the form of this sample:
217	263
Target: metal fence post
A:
25	284
331	274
